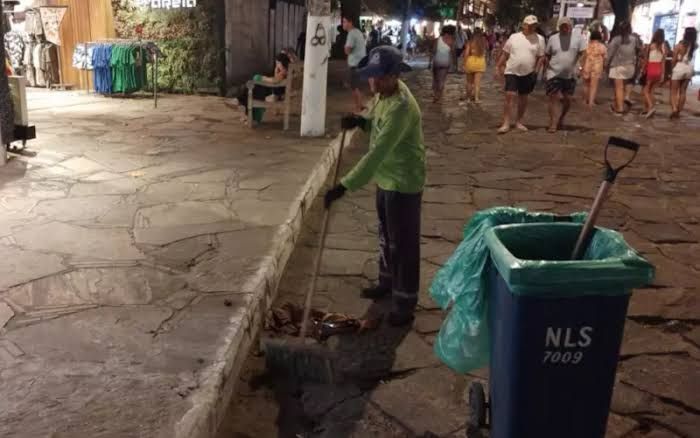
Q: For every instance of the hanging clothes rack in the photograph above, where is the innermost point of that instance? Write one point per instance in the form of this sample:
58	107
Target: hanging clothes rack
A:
147	45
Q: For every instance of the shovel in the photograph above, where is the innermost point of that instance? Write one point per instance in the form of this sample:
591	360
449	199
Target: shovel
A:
588	230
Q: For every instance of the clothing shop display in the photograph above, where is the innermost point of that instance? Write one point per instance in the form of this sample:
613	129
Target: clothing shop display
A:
28	61
102	68
30	53
32	23
82	56
6	108
51	19
118	66
128	68
14	50
49	63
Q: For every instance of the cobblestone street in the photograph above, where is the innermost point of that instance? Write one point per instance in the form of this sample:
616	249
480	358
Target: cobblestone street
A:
654	204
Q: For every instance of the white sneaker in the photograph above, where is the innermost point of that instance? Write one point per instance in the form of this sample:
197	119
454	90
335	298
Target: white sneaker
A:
271	98
521	127
650	113
235	102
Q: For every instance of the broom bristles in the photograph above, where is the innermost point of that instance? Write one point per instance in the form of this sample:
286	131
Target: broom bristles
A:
299	361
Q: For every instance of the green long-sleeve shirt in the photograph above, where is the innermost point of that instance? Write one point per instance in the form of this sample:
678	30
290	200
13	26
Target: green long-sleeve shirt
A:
396	157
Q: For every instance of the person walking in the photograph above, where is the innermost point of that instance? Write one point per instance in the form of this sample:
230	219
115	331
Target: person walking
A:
520	60
396	163
682	70
653	70
668	64
441	60
356	50
562	54
461	41
593	65
622	62
490	43
475	63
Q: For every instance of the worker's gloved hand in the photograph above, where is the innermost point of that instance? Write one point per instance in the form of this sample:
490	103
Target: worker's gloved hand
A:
333	195
352	121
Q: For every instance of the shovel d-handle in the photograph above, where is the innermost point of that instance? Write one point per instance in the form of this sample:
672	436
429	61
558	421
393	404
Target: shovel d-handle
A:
612	172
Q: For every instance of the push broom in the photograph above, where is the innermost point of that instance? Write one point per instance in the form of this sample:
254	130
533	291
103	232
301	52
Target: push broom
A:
299	358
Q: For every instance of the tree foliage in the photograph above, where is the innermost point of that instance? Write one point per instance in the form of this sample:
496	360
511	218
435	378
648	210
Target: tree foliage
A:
440	9
623	11
510	13
188	39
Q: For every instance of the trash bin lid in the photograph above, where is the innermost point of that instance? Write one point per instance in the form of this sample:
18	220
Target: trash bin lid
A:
534	259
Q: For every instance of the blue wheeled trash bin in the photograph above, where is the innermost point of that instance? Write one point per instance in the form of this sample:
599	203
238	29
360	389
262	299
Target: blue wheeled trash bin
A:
556	326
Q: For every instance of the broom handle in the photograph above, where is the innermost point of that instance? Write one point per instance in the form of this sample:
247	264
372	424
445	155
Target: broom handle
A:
321	245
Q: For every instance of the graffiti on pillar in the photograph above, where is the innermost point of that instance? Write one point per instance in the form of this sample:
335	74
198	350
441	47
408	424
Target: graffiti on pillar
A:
319	38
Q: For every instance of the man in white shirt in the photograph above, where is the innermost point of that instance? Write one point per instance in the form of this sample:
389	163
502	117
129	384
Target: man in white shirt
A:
562	54
356	49
520	60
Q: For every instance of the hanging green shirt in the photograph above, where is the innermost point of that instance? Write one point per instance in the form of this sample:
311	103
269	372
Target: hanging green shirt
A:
396	157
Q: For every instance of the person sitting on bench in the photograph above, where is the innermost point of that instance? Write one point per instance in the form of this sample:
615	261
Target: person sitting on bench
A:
261	92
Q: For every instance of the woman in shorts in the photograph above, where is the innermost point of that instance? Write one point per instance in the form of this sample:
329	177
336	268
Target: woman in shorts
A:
654	69
682	70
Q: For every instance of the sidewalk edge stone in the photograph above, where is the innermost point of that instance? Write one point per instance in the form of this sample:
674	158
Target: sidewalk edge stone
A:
218	382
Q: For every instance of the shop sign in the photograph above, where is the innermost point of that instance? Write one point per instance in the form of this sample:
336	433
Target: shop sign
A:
579	12
168	4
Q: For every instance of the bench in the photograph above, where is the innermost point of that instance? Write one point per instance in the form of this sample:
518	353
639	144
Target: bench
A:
292	90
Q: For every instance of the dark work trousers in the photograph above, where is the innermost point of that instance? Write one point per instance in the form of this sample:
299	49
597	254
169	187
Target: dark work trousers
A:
399	247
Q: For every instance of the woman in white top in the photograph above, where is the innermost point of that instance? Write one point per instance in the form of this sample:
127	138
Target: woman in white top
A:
441	60
622	62
682	70
654	70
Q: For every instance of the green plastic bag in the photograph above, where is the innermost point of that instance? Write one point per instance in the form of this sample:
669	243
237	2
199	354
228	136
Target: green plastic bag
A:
463	341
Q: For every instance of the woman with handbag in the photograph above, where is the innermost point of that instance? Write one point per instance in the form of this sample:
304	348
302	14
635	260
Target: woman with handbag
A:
653	70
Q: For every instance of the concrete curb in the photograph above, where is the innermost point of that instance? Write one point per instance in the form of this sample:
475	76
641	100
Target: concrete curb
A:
218	382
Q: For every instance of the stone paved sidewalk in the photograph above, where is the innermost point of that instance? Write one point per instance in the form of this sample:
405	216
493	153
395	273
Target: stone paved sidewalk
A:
470	168
141	246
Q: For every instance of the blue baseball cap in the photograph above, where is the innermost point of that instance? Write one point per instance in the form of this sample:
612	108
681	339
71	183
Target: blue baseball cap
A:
382	61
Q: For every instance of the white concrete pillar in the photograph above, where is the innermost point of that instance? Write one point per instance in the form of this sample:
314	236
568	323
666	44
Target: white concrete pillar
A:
315	91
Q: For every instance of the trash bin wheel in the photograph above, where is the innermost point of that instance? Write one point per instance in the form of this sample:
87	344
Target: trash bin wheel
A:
477	410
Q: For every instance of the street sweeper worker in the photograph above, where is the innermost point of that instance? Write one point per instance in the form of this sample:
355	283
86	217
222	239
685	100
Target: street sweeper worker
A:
396	164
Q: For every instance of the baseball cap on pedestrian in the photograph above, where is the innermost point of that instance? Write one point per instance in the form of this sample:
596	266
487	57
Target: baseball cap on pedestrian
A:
530	19
382	61
564	20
